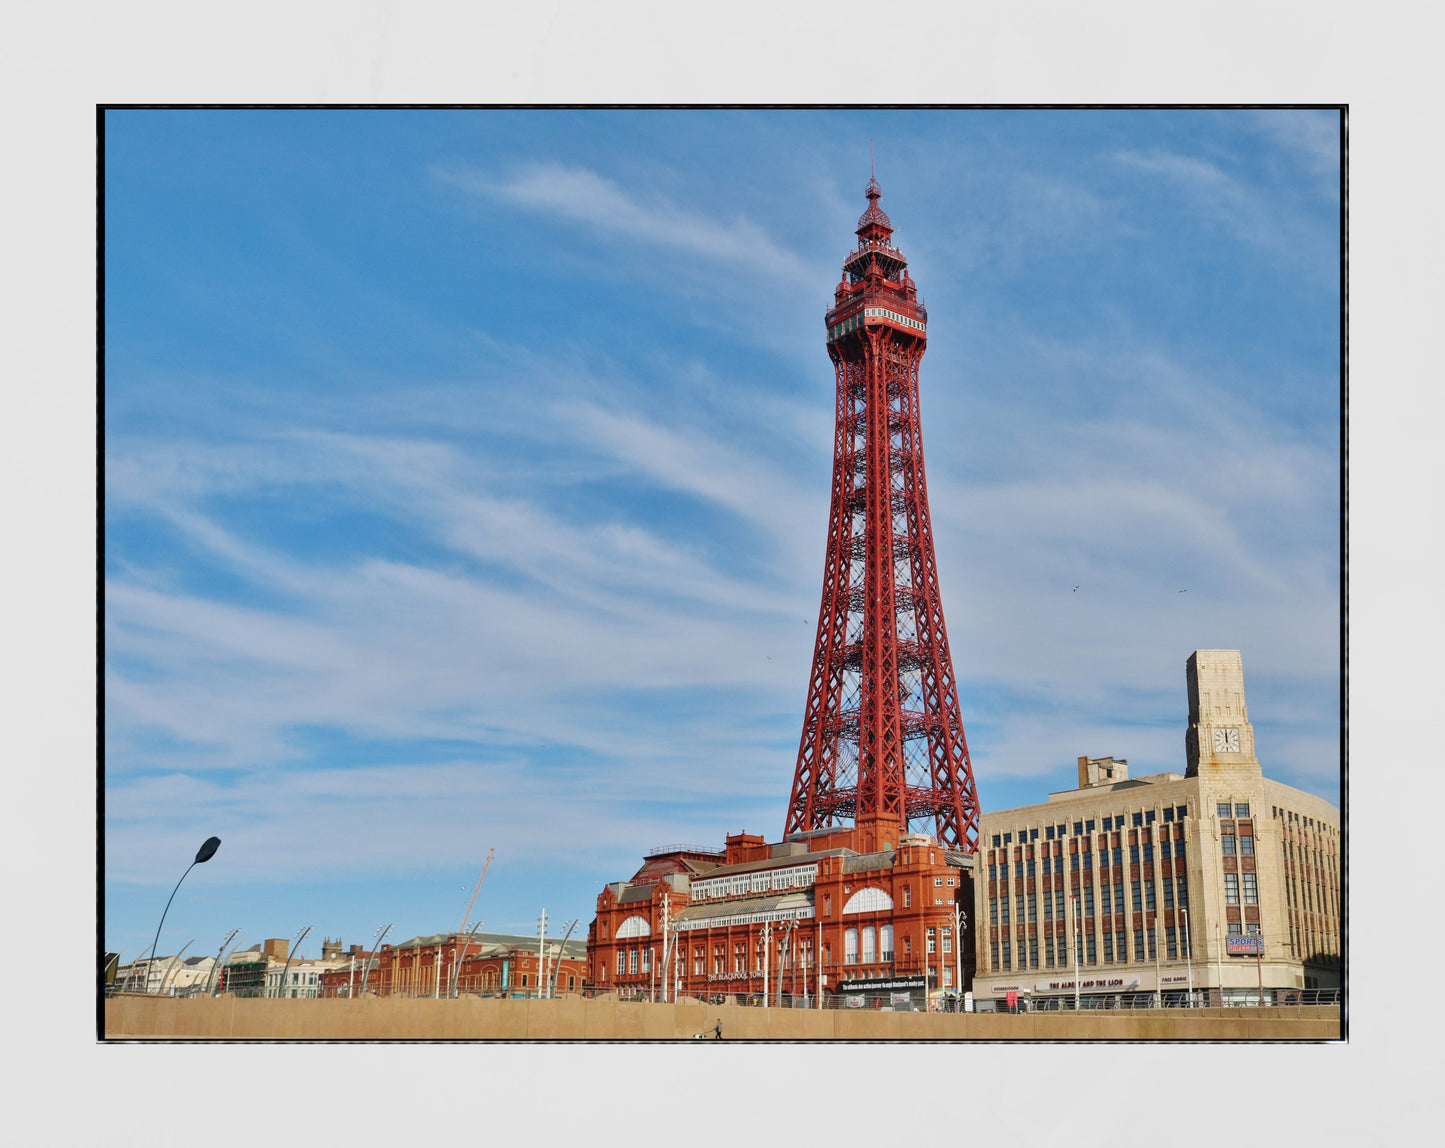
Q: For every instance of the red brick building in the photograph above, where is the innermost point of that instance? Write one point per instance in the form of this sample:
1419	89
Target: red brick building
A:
491	964
694	921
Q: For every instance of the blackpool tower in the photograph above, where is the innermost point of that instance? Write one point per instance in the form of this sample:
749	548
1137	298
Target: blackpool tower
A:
883	743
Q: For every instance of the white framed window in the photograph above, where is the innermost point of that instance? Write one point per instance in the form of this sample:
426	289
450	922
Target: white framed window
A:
870	940
850	946
633	927
868	900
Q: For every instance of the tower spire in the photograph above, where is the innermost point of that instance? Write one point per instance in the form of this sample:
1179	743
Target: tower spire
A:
882	741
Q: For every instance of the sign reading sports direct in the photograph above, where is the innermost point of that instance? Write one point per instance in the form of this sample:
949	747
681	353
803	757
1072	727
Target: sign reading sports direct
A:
1249	945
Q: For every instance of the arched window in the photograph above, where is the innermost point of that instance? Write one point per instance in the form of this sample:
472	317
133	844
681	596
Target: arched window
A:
633	927
868	900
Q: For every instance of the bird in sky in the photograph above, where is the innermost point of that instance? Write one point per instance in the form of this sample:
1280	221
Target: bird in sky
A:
1076	589
1185	590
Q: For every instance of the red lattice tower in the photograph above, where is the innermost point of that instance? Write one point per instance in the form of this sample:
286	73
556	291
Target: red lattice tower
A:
882	740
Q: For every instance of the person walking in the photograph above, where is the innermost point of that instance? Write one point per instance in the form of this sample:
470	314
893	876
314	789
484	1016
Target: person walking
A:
717	1029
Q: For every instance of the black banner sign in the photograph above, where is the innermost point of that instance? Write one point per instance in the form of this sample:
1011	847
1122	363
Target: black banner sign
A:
882	985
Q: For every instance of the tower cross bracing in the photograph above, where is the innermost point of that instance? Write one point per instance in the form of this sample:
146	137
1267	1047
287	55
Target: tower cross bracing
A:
882	742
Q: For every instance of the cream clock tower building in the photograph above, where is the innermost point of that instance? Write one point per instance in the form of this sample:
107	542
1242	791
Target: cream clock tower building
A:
1217	885
1219	739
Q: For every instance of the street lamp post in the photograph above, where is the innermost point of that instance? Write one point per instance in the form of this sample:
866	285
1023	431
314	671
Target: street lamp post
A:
1188	960
958	920
1154	937
301	936
557	964
226	960
203	854
170	968
380	936
457	961
212	974
1078	944
130	972
767	943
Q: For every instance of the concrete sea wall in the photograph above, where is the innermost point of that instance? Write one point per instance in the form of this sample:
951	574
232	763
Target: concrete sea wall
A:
404	1018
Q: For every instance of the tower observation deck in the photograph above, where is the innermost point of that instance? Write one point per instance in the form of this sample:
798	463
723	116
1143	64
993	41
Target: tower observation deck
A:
882	742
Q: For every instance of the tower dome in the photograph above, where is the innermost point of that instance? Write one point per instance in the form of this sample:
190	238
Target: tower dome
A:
874	216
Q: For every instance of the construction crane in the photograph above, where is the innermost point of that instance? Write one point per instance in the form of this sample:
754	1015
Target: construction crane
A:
475	891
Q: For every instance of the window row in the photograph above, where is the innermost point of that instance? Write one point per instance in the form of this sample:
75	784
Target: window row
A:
1145	896
1115	947
1114	822
632	961
877	945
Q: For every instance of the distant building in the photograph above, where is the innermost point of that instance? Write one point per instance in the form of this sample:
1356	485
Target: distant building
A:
167	976
1217	877
440	964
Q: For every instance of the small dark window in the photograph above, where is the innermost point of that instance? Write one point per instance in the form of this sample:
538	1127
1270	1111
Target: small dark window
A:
1138	819
1078	828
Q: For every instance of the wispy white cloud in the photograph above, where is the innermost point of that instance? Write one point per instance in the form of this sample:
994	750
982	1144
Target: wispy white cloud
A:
583	196
1313	137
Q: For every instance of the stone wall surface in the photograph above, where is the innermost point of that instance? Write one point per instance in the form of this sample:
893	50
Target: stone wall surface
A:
397	1018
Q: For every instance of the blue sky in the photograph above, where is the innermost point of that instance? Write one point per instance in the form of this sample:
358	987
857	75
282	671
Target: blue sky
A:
466	477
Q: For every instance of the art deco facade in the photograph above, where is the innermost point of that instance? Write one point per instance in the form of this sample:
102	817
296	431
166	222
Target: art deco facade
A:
1155	883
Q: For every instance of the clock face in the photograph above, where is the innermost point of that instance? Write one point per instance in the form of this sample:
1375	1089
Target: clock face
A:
1226	740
